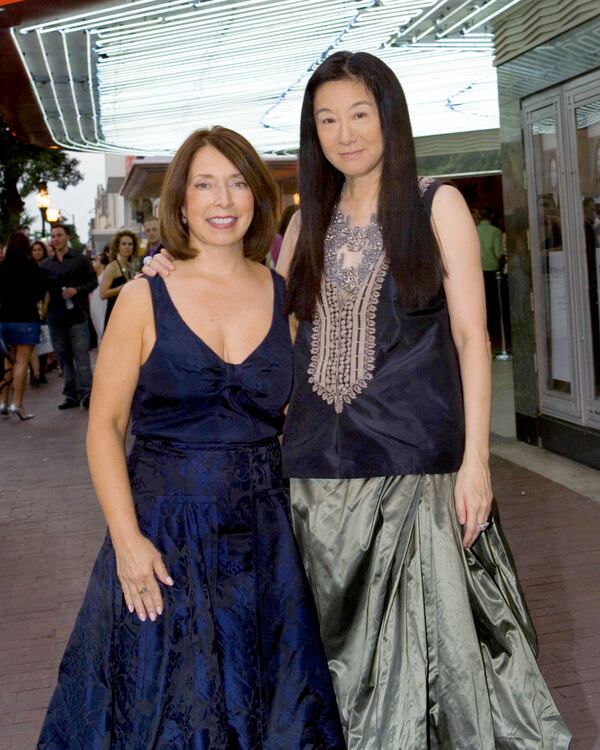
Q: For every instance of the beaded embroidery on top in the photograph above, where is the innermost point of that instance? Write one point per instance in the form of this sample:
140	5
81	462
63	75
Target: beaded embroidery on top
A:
343	342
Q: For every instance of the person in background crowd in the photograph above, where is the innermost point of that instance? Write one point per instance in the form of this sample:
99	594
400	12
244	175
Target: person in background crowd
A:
70	278
97	304
286	216
151	229
101	260
21	290
120	270
39	251
39	355
490	242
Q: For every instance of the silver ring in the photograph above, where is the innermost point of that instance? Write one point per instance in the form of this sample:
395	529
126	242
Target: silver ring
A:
483	526
147	260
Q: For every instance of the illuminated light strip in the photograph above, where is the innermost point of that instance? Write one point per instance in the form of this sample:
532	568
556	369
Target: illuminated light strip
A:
463	21
56	25
236	37
216	19
489	18
72	86
90	83
35	91
65	25
205	9
76	144
421	18
314	21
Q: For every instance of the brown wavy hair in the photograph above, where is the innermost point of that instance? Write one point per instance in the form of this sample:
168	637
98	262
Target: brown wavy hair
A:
114	244
240	152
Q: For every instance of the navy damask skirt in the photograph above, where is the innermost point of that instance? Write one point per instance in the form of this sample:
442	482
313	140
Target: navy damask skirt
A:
235	661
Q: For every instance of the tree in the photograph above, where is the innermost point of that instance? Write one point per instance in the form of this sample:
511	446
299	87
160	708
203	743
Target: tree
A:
23	168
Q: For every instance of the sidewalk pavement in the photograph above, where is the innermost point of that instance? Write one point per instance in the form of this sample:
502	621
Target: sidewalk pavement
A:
51	528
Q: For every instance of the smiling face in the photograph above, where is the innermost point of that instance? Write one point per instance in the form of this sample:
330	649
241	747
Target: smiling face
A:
348	127
219	205
125	247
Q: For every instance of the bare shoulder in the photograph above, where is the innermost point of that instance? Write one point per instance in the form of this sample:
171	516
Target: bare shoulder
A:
447	197
135	297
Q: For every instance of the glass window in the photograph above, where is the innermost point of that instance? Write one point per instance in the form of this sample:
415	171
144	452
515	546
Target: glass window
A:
587	120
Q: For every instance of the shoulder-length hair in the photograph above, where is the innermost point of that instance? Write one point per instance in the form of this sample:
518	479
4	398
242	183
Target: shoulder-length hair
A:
408	238
114	244
240	152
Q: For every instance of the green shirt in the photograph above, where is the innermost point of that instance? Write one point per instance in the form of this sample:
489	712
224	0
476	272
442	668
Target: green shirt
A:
490	240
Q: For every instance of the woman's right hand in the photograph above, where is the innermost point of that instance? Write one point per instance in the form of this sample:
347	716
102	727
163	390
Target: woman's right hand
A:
161	263
139	567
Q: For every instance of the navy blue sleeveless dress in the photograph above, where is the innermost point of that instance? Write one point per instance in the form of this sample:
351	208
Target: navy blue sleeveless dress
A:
235	661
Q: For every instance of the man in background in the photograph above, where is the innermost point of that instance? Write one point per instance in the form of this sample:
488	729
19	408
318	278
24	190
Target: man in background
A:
70	278
490	241
151	228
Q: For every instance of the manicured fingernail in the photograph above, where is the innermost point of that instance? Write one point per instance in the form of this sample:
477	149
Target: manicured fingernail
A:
170	581
130	608
143	618
153	617
159	610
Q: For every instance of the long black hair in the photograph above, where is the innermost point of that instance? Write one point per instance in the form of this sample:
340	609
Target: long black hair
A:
408	238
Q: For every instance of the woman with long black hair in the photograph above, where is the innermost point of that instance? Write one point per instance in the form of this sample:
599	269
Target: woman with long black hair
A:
386	440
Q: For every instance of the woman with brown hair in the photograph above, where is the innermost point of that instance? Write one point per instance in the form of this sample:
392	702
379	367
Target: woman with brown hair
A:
123	252
198	629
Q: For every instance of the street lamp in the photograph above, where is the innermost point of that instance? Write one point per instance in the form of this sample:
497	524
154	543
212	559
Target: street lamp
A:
42	200
52	215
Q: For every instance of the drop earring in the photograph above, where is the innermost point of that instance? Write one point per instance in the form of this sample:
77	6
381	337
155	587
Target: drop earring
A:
183	220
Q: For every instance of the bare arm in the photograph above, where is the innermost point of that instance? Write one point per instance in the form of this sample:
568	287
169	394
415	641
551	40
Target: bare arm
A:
288	246
466	305
110	274
126	343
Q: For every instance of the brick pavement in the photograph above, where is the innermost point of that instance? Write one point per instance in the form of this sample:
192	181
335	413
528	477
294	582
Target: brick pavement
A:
51	527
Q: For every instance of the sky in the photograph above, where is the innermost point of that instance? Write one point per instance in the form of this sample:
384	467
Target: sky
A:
78	201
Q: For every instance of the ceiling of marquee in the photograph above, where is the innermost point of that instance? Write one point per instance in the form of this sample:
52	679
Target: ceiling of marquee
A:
138	76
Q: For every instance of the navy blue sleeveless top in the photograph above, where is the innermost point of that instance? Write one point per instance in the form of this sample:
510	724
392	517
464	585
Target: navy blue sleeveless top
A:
187	393
377	390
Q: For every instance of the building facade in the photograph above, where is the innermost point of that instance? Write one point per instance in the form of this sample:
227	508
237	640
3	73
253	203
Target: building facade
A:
548	61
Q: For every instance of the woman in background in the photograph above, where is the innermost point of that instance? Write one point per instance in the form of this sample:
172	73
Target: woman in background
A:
121	269
21	290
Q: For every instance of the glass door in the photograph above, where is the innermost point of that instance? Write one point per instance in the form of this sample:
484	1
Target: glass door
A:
552	252
562	152
583	117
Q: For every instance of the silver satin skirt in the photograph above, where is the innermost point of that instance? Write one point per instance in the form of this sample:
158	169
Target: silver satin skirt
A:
429	645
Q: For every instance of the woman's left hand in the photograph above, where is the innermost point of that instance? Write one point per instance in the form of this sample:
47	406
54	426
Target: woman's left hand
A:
472	497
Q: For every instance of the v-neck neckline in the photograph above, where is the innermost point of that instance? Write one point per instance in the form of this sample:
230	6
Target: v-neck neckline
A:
209	348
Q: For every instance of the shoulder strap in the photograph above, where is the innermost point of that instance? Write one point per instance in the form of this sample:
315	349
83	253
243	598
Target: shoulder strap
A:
159	297
279	285
428	187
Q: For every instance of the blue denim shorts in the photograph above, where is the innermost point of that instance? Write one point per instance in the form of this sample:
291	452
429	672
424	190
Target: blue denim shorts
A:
20	333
